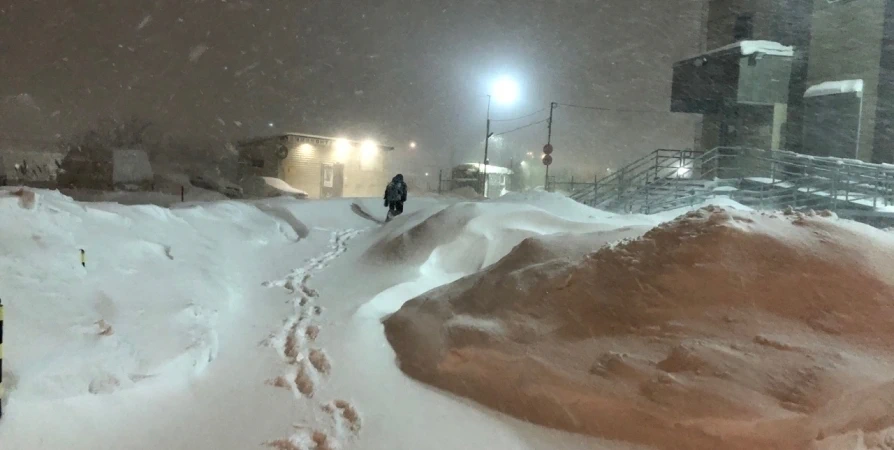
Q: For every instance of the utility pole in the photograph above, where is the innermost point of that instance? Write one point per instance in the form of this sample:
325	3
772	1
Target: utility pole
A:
486	141
549	139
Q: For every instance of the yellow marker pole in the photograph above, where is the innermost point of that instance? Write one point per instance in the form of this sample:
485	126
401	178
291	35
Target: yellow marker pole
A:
1	358
83	258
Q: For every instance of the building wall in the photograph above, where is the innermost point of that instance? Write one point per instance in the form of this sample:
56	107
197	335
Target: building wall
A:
364	176
772	20
847	44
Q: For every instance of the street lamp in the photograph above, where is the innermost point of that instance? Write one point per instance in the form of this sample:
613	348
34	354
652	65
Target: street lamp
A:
505	90
412	144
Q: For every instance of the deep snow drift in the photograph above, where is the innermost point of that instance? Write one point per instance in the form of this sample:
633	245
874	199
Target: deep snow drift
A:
235	325
722	329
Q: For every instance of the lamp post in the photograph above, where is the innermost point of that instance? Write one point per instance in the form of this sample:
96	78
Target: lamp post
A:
506	91
486	142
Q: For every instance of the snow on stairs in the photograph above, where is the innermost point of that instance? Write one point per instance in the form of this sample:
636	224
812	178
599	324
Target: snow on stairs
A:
664	194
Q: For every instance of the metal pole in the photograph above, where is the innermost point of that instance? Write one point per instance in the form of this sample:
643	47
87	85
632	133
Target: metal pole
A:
549	140
440	177
549	126
486	141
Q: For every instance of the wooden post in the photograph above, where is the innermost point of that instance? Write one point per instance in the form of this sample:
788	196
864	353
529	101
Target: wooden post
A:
182	194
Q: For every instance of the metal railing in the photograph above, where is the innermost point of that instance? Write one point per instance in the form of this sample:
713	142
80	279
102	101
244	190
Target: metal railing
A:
669	179
613	191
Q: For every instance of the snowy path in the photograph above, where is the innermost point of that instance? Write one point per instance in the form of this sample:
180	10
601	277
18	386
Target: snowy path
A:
306	364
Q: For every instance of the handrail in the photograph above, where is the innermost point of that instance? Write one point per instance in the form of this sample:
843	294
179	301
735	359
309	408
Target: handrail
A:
651	183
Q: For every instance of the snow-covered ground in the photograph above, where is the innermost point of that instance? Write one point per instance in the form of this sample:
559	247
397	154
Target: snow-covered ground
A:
231	325
251	325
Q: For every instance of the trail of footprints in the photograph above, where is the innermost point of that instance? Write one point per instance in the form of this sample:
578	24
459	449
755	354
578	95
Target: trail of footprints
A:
308	365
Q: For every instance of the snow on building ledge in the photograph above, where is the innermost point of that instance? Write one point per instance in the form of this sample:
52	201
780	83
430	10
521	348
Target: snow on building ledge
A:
766	47
748	48
835	87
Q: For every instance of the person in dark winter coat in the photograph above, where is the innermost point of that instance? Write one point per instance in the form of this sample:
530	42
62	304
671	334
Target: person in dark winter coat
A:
395	196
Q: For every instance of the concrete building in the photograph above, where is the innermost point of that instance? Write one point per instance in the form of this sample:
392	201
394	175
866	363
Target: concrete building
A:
830	94
321	166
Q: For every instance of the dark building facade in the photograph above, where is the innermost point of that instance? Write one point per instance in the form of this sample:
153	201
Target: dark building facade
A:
811	76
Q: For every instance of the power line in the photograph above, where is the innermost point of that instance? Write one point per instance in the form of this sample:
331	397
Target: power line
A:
522	127
601	108
520	118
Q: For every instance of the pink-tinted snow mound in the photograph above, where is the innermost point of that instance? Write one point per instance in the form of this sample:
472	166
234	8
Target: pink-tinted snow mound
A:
719	330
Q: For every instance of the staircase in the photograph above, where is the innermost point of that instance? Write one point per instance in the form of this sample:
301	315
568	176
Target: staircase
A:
671	179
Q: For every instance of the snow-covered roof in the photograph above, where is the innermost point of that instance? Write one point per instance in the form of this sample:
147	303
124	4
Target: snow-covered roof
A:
835	87
748	48
317	137
491	169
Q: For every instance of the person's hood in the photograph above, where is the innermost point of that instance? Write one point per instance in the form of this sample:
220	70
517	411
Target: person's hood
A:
398	178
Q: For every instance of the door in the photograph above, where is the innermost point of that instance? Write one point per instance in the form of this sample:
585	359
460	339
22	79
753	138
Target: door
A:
332	180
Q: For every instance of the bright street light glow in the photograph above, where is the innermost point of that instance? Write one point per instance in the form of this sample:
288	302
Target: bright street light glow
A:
505	90
426	173
270	124
342	150
412	145
368	150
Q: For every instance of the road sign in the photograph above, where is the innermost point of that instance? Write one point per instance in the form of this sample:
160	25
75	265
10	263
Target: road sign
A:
548	149
547	160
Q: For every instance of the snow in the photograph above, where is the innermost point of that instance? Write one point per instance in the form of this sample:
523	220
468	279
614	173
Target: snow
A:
766	47
835	87
699	335
491	169
281	185
748	48
258	324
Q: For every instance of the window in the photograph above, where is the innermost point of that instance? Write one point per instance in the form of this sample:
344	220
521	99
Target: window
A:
744	27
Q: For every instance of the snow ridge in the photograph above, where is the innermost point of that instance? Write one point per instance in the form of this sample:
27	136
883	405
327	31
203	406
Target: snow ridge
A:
306	364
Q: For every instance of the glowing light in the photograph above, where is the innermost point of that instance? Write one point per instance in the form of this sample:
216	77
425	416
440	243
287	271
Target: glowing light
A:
505	90
368	150
426	173
270	124
342	150
524	163
305	149
412	144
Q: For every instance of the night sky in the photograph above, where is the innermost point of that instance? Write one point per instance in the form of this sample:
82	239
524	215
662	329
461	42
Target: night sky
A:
391	70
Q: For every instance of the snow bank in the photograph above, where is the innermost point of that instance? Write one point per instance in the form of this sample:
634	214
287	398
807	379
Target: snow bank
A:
469	236
76	330
835	87
281	185
721	329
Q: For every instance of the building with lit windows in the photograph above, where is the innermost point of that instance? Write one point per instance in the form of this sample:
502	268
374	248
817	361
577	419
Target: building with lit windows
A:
323	167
